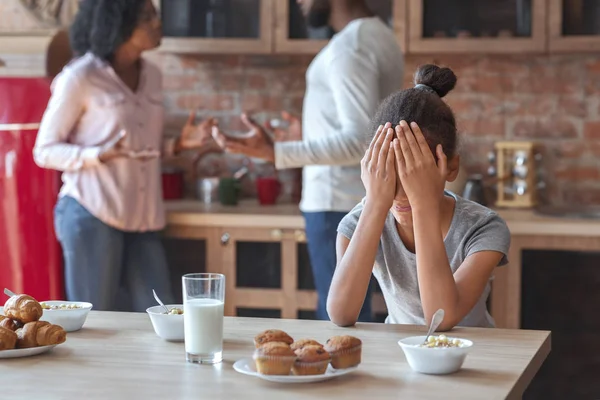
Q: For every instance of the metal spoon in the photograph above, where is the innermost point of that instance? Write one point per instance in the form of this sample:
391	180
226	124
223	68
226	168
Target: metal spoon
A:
160	302
9	293
436	320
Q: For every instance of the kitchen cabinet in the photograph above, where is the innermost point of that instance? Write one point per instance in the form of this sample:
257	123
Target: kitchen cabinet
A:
574	25
216	26
293	36
477	26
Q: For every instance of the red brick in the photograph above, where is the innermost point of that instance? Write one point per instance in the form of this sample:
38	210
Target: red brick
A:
296	104
261	102
180	82
529	105
485	127
230	81
464	105
577	173
255	81
214	102
582	196
564	149
538	128
572	107
492	84
592	130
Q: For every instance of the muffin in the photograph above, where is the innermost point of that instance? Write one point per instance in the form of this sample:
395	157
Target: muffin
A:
274	358
298	344
272	335
311	360
345	351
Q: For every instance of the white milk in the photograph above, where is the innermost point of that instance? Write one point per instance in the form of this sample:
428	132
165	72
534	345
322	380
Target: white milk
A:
203	323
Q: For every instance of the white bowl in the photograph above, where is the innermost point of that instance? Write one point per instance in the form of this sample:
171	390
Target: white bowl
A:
167	326
71	320
434	360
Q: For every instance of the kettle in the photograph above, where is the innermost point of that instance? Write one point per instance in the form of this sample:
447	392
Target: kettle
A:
474	189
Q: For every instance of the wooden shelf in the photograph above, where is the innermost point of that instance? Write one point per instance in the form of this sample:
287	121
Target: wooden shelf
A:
557	42
418	44
261	45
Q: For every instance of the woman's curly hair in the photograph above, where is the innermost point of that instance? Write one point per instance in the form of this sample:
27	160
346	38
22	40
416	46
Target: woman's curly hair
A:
101	26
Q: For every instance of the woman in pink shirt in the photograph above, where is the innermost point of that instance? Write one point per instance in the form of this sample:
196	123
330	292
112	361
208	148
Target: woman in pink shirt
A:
103	128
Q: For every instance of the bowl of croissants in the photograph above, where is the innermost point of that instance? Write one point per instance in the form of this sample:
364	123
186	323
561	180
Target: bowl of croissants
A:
21	328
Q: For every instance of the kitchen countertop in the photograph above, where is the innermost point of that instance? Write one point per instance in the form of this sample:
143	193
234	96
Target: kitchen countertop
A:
249	214
118	356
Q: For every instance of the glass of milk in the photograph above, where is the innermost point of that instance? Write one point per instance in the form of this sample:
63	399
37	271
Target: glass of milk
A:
203	299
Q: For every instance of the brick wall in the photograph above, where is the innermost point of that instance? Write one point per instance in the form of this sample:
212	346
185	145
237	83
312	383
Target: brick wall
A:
554	100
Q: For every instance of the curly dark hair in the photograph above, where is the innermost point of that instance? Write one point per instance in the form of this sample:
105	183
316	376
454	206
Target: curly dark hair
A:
423	104
101	26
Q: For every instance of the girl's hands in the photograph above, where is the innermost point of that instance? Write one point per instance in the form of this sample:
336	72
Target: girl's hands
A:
422	178
378	171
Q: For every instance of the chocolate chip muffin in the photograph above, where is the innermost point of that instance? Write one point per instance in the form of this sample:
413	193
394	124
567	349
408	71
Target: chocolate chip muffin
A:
298	344
272	335
274	358
345	351
311	360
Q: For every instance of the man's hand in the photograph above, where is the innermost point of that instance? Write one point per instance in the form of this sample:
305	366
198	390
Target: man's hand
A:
256	143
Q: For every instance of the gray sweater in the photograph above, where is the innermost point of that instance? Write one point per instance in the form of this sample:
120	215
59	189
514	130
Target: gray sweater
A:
359	67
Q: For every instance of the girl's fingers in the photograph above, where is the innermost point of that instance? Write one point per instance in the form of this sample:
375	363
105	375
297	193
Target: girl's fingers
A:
442	160
369	153
385	148
400	163
404	146
390	160
377	146
410	139
421	142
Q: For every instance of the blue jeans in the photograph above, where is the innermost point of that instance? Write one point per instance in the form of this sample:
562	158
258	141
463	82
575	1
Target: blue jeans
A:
321	234
112	269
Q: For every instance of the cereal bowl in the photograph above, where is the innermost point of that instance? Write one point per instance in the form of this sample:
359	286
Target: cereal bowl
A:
167	326
71	315
434	360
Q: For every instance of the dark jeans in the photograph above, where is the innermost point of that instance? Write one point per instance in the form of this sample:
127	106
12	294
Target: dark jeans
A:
112	269
321	233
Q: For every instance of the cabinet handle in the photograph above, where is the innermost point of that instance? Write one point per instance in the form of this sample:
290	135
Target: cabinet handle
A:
225	239
300	236
276	234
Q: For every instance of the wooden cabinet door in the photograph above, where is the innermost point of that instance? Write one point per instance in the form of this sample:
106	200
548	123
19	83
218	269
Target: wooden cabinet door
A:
293	36
574	25
477	26
216	26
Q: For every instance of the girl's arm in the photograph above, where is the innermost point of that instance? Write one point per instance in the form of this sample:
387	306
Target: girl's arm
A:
356	258
357	255
439	288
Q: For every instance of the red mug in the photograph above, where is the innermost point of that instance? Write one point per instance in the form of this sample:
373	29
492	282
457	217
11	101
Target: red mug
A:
268	190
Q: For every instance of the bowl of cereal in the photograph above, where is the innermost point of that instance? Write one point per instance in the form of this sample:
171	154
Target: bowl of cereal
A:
71	315
168	326
439	355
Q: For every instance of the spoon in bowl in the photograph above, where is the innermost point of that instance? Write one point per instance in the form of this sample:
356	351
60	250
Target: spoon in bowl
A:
9	293
436	320
160	302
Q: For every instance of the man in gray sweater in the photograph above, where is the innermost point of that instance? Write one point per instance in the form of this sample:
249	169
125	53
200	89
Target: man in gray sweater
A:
360	66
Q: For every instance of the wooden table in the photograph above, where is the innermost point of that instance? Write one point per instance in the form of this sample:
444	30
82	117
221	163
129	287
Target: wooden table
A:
118	356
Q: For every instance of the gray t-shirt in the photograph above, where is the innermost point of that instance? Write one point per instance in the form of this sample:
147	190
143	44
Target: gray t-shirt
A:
474	228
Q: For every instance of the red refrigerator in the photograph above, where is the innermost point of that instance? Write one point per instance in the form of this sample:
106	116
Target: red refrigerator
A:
30	256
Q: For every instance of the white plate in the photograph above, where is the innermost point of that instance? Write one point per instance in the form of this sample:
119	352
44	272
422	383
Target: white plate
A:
248	367
18	353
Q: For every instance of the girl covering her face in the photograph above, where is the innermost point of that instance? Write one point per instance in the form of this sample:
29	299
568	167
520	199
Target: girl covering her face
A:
427	247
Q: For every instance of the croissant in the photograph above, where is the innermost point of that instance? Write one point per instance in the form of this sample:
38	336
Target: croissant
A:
9	323
8	339
40	333
23	308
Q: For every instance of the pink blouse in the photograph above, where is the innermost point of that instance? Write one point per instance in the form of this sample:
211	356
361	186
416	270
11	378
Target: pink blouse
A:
89	106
